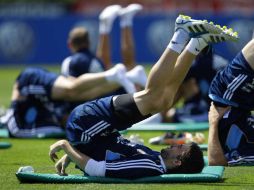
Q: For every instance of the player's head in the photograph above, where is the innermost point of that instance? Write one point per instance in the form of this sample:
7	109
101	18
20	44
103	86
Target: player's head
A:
78	39
185	158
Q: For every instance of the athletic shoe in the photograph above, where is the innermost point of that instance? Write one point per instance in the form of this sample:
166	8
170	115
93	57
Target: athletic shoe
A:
168	139
225	35
130	10
136	139
196	28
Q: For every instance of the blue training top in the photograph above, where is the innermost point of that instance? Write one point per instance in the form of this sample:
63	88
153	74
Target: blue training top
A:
92	128
234	85
81	62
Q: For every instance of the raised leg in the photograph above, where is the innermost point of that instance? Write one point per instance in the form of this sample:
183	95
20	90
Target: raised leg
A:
85	86
106	19
127	42
169	72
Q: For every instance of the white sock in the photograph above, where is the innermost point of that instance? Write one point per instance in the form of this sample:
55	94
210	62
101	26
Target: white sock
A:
111	74
196	45
137	75
179	40
107	17
104	27
118	74
126	21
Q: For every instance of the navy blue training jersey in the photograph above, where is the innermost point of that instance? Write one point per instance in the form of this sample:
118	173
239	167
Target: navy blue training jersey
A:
93	127
234	85
81	62
236	135
135	166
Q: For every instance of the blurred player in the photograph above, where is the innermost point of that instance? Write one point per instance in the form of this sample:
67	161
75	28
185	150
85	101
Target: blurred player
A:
84	61
38	103
93	127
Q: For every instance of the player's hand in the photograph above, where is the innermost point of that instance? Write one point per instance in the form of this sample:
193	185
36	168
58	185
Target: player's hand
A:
56	147
62	164
216	113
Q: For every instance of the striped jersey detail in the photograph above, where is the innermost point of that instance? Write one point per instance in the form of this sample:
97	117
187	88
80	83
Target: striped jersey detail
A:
232	87
95	129
138	163
33	89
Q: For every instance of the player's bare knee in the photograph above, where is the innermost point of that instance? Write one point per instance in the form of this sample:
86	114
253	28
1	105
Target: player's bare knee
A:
159	103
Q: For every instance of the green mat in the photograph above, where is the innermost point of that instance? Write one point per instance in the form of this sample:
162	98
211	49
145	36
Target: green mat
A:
203	146
209	174
4	145
174	127
5	134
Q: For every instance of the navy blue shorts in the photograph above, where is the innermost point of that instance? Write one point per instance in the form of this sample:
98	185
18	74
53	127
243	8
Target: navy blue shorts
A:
92	120
36	82
236	134
234	85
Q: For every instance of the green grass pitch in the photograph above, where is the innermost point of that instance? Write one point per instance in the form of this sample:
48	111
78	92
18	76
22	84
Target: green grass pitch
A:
35	153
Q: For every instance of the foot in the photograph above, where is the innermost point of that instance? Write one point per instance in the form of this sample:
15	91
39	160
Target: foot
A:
195	28
107	17
225	35
110	12
122	79
137	75
130	10
196	44
168	139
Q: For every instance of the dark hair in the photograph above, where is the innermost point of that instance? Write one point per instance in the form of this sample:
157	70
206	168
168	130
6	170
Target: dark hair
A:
191	161
79	38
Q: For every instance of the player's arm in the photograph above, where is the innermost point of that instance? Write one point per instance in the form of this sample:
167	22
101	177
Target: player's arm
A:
215	152
84	162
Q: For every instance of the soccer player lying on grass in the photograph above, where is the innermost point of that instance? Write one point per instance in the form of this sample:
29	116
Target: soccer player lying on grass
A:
94	143
39	98
231	133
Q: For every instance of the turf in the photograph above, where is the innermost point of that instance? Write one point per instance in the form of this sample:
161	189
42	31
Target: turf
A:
35	153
